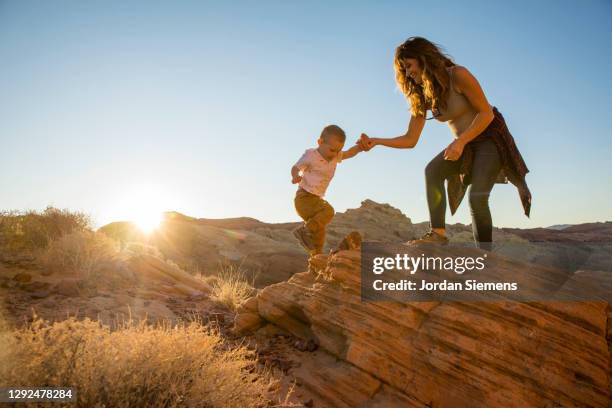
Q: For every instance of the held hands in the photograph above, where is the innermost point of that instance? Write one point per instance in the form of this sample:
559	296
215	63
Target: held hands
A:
454	150
365	143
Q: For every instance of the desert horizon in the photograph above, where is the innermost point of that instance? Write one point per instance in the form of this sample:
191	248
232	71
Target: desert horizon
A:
152	220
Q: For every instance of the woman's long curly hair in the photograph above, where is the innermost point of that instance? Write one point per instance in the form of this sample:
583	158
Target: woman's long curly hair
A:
432	93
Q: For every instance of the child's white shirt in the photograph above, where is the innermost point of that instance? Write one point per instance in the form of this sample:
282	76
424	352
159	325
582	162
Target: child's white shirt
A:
316	171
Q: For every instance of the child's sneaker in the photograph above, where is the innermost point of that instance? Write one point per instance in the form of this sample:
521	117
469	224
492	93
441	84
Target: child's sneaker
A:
304	237
430	237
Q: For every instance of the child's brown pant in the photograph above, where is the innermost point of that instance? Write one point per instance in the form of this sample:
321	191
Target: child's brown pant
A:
316	213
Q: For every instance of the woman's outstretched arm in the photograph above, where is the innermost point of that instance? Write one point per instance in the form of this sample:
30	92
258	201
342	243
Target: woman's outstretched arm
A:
405	141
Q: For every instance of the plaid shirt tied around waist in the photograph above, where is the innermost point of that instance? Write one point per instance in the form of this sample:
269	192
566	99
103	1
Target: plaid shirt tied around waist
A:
513	168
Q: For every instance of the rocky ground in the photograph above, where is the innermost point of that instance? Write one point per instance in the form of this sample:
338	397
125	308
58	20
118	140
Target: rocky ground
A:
150	289
311	328
153	290
432	354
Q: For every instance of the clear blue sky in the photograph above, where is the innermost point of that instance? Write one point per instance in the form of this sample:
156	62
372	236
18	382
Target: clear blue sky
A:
206	105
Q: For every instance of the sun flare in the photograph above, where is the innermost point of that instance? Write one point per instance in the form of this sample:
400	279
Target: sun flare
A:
148	221
144	205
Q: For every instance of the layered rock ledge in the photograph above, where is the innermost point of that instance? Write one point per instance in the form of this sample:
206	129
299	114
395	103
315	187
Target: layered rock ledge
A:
432	354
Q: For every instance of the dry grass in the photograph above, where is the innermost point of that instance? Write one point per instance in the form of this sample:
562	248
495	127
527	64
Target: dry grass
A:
83	253
137	365
230	287
140	248
30	230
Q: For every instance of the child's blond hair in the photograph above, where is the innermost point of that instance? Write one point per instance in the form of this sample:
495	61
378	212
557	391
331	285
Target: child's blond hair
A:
333	131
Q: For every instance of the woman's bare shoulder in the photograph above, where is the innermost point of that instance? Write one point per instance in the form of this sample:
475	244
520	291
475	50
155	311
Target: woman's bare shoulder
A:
462	77
459	69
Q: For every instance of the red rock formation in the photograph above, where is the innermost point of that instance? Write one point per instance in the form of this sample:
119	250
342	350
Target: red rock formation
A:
430	354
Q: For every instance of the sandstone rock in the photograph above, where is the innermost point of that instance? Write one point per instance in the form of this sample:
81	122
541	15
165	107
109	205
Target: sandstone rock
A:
128	307
47	271
153	270
67	287
247	323
317	263
247	318
41	294
339	384
351	241
270	330
248	306
455	354
305	345
35	286
22	277
374	221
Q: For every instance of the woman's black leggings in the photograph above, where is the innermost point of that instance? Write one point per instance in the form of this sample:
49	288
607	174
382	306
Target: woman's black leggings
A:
486	166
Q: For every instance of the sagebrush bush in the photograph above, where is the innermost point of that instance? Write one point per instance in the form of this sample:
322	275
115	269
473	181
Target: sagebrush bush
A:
140	248
31	230
137	365
83	253
231	288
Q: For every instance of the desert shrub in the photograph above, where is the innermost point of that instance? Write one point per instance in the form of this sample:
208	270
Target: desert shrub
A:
191	266
210	280
123	231
140	248
84	253
231	288
137	365
30	230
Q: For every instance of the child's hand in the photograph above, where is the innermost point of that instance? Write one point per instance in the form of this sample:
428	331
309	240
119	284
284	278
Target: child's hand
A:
365	143
296	179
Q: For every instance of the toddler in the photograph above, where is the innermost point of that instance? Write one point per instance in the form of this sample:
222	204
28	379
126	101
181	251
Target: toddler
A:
314	171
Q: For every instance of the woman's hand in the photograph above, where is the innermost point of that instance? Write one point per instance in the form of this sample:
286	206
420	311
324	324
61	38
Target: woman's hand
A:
454	150
365	142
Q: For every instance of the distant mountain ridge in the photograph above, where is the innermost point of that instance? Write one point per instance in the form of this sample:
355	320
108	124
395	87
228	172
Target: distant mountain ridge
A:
269	252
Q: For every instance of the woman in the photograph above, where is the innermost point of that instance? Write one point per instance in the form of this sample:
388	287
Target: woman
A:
482	152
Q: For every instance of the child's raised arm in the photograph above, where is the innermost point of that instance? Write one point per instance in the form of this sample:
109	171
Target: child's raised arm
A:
352	152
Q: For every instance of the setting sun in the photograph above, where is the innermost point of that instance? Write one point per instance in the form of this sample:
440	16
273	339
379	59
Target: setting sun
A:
148	221
143	205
